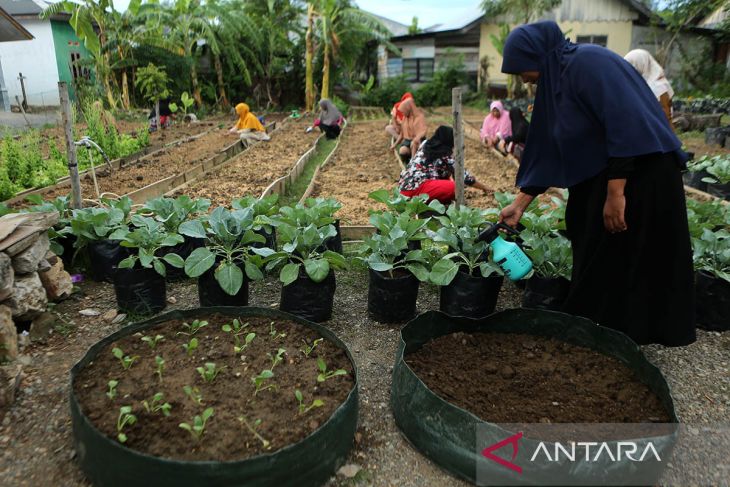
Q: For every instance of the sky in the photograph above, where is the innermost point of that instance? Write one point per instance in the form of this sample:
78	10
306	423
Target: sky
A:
429	12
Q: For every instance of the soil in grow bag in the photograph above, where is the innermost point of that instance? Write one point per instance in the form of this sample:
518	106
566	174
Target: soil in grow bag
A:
231	394
210	292
515	378
392	299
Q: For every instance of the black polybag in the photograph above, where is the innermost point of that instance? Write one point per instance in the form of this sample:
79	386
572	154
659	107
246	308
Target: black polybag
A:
307	299
392	299
542	293
140	291
712	302
470	296
104	256
210	292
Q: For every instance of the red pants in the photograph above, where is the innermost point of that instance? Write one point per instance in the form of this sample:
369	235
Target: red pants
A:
443	190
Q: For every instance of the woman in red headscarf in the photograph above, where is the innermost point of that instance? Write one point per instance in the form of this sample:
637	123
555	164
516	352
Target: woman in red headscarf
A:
396	117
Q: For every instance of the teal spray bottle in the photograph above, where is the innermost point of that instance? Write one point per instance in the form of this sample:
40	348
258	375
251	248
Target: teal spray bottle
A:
507	255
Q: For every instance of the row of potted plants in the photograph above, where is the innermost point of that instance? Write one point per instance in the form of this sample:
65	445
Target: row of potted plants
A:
710	174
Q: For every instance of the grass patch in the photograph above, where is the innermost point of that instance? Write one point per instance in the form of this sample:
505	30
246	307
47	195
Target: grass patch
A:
294	193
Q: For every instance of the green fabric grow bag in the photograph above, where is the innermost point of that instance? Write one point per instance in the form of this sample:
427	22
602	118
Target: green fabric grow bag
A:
310	462
447	434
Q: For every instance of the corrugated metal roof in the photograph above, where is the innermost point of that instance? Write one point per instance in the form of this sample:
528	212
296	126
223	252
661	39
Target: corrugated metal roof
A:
22	7
11	30
396	28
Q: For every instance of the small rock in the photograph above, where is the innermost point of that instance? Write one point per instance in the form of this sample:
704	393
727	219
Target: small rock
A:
28	299
110	315
358	437
490	368
56	281
507	372
555	403
9	382
28	260
7	277
529	355
349	470
314	424
8	335
529	344
42	327
89	312
171	300
119	318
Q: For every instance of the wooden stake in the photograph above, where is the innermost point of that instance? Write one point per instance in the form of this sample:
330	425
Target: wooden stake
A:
22	110
458	145
73	165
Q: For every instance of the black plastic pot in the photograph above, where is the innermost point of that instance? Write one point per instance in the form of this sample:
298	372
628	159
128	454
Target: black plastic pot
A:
719	190
716	136
392	299
270	239
210	292
308	299
712	302
335	243
470	296
310	462
140	291
542	293
454	438
184	250
104	255
67	243
694	179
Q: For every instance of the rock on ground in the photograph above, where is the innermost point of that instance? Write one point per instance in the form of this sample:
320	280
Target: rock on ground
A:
8	336
7	277
9	382
56	281
27	261
29	297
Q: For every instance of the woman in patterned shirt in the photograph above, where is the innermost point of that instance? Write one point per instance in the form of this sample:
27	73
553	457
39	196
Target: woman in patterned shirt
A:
431	170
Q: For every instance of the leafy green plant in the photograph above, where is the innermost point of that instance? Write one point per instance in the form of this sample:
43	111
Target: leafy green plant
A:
304	408
193	394
261	381
325	374
193	328
173	212
308	349
711	253
125	360
544	242
148	238
160	362
230	235
125	418
94	224
711	215
186	101
237	329
112	392
197	428
253	428
398	203
60	205
156	405
209	371
719	170
274	333
264	209
153	341
277	358
191	346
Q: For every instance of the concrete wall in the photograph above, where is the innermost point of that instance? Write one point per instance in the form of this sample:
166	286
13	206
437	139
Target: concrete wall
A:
66	42
36	59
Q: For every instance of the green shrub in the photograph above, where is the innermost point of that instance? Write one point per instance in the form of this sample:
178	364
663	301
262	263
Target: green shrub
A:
341	105
389	92
437	92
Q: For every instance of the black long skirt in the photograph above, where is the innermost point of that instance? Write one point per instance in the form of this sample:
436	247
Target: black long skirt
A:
641	281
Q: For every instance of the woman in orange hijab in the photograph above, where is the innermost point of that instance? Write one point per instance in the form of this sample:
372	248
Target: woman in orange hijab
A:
413	129
248	127
396	117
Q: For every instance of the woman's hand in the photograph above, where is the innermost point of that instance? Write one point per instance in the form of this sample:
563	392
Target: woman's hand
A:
615	207
511	214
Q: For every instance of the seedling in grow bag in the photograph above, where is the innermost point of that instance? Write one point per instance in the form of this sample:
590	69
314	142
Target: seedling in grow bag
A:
397	203
246	342
712	253
112	393
125	418
209	372
125	360
152	342
93	224
173	212
303	408
307	350
148	238
156	405
262	379
275	334
198	427
263	210
192	328
277	359
193	394
253	428
191	346
160	366
325	374
237	329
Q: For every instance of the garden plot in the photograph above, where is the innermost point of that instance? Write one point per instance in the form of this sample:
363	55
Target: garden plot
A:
363	163
498	174
251	172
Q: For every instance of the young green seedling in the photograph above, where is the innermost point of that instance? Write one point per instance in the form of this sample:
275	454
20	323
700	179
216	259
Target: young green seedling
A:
125	360
303	408
246	342
112	389
160	366
198	427
192	328
156	405
237	329
262	379
209	372
308	349
276	359
275	334
325	374
193	394
125	418
191	347
253	428
152	342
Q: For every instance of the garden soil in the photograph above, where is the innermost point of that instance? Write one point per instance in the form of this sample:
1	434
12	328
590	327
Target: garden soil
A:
517	378
230	394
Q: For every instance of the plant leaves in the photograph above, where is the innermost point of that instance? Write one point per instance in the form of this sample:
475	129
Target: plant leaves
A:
317	269
289	273
230	278
199	261
192	228
174	260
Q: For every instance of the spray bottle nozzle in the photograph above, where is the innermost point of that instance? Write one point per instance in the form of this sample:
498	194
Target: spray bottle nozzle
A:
492	232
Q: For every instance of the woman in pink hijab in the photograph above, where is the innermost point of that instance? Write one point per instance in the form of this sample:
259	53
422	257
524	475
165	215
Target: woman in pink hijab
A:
497	125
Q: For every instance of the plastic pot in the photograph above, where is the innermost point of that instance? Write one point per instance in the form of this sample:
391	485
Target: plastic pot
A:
67	243
308	299
542	293
270	239
712	302
447	434
210	292
335	243
694	179
715	136
392	299
471	296
104	256
140	291
310	462
719	190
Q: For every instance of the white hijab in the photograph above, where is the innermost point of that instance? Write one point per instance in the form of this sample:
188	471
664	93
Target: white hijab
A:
651	71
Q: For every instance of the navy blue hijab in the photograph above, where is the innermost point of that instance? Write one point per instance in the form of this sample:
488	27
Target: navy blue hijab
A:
591	105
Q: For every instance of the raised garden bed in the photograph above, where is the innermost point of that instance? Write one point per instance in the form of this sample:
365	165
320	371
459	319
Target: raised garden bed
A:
518	366
259	432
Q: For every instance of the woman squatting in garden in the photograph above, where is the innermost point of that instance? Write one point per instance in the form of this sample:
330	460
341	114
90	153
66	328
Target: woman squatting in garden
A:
626	215
653	73
396	117
431	170
329	121
497	125
248	126
413	130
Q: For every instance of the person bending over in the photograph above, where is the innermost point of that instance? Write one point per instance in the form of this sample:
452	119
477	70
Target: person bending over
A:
413	130
653	73
396	117
248	127
330	119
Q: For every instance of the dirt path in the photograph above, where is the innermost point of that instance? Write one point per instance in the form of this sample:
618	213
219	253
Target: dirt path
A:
363	163
255	169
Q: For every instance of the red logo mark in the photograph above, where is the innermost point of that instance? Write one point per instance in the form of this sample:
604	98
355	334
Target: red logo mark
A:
512	440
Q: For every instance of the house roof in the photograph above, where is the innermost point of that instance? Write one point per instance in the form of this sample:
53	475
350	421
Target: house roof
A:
395	28
716	18
11	30
22	7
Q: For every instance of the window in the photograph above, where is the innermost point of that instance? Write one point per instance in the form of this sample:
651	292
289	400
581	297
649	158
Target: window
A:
597	40
418	70
77	70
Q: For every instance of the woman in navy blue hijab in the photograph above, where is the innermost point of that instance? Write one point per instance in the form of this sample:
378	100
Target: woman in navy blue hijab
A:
598	130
